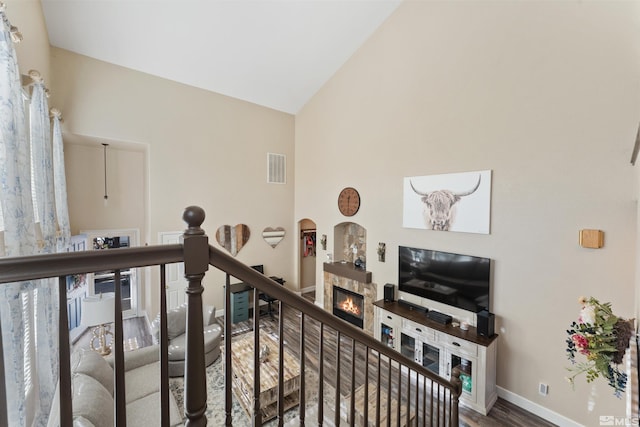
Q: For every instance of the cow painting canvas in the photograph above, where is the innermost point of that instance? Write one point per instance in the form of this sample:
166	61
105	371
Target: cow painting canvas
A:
448	202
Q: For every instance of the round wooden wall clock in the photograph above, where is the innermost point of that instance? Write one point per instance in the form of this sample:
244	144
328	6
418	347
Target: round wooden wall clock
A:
349	201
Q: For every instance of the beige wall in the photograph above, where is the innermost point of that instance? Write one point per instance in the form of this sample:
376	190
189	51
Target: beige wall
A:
545	94
201	149
33	50
126	185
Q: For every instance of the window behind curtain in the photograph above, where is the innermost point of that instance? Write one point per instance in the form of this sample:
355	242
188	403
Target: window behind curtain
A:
29	299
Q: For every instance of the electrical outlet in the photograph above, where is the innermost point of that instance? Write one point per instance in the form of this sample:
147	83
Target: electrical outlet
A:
543	389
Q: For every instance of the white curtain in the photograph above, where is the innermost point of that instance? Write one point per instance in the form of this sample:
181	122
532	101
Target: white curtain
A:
29	311
60	183
42	162
18	221
17	206
46	302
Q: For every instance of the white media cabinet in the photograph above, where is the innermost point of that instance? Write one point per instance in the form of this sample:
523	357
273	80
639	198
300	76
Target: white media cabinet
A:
440	348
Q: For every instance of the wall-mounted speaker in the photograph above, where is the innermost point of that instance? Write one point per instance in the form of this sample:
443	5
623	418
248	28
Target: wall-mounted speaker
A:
389	292
486	323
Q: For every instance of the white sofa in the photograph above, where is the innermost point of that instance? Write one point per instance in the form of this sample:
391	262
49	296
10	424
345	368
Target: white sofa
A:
92	390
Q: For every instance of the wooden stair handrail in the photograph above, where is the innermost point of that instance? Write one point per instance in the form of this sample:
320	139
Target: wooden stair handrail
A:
197	255
246	274
22	269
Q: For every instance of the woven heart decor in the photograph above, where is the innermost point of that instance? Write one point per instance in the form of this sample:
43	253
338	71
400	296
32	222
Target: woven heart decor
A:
273	236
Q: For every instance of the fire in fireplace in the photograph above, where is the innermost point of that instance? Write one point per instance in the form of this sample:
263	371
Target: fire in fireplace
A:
349	306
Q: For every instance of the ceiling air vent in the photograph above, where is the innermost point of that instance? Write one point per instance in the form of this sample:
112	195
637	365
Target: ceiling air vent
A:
276	168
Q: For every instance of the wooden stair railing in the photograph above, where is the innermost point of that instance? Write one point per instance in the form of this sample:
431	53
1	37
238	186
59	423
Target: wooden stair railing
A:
412	380
61	265
197	255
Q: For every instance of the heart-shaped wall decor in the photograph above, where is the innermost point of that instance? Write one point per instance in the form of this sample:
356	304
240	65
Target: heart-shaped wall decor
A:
273	236
233	238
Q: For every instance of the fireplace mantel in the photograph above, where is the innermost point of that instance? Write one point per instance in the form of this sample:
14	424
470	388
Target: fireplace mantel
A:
348	270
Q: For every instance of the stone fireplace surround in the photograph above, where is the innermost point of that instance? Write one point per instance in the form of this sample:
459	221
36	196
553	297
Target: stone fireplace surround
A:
368	290
350	243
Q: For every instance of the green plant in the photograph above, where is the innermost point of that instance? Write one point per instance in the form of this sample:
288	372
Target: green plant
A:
602	338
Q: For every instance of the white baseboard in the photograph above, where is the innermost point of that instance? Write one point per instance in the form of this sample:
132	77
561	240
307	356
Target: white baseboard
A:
534	408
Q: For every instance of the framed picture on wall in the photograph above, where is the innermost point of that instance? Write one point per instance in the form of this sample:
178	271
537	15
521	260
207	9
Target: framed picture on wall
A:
448	202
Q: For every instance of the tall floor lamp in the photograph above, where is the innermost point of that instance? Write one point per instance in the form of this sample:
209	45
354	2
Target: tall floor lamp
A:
98	311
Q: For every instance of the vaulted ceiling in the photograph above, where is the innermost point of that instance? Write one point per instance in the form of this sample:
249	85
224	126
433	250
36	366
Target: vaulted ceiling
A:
275	53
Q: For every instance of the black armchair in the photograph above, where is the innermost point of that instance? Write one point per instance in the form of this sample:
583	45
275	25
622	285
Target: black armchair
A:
269	299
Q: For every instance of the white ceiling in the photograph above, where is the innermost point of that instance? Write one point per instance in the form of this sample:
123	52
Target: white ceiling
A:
275	53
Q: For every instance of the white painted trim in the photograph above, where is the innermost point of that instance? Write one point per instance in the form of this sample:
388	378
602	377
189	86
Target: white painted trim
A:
146	317
534	408
149	321
319	304
150	329
307	289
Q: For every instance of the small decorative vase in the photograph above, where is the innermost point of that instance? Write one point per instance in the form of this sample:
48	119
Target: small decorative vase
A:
382	248
624	330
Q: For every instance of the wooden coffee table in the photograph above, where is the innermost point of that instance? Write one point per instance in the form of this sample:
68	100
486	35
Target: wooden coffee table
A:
242	354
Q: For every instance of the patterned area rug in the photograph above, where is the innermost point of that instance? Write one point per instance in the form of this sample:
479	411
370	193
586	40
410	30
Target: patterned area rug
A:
215	398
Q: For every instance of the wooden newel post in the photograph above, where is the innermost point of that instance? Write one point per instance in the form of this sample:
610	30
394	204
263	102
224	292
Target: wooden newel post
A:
196	263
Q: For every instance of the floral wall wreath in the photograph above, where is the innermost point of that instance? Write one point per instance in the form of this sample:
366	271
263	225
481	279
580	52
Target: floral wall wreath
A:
602	337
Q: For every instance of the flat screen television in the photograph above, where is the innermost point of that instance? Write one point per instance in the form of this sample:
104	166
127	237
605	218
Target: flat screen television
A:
458	280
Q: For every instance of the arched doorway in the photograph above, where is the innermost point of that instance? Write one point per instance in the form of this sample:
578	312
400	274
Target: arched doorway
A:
307	255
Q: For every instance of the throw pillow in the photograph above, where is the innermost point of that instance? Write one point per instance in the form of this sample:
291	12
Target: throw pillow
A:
91	401
176	321
90	363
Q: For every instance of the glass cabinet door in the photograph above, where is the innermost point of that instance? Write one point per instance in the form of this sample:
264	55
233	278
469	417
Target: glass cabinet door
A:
105	282
386	335
408	346
431	358
466	372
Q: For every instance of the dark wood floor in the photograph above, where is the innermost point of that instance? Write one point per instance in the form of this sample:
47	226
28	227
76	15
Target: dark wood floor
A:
502	414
